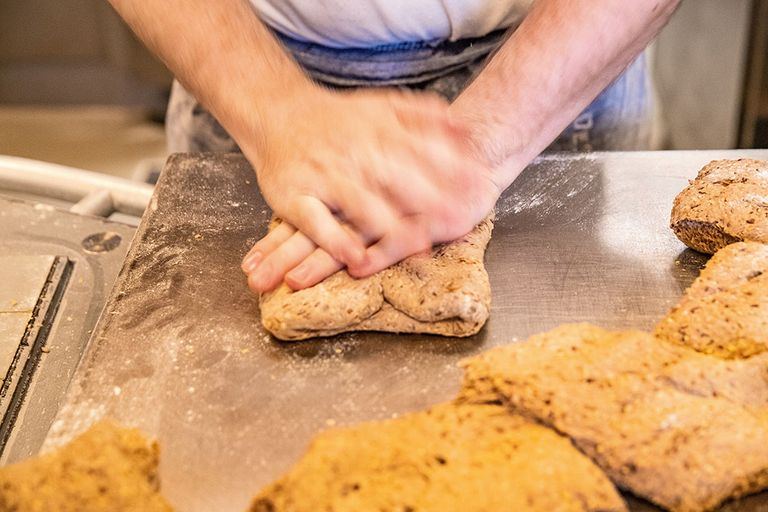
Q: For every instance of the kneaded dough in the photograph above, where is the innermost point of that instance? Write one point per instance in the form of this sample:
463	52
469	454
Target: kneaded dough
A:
108	468
469	458
725	311
726	203
446	293
682	429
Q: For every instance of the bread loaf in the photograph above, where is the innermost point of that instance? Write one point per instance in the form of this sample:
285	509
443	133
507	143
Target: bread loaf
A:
727	202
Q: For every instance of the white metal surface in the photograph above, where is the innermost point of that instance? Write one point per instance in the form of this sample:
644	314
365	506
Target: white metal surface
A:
73	185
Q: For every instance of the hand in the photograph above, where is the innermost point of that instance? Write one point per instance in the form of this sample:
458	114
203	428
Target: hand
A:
289	256
394	168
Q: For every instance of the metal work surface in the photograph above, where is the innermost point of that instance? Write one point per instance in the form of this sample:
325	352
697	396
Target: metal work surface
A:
180	353
54	286
23	279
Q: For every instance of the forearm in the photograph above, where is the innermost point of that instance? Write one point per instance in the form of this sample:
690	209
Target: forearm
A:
225	56
563	54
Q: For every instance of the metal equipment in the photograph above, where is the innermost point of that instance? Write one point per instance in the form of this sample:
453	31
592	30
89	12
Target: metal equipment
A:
179	351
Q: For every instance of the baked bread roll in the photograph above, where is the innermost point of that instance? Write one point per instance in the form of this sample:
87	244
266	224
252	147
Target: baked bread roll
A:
726	203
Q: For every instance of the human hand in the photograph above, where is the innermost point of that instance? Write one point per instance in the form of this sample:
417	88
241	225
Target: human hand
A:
370	177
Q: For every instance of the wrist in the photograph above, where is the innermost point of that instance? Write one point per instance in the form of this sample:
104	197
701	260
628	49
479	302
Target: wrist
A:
498	145
266	124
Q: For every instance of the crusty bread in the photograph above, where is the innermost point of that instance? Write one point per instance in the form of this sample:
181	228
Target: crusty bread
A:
726	203
680	428
469	458
725	311
108	468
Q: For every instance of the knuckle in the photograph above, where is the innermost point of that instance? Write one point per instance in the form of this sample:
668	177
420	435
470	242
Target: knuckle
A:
453	224
359	271
424	244
294	211
419	237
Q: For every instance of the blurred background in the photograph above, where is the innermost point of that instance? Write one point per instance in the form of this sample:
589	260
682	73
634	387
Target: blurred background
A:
78	89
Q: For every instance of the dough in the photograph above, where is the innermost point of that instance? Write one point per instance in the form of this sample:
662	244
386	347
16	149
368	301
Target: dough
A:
725	311
469	458
726	203
680	428
108	468
446	293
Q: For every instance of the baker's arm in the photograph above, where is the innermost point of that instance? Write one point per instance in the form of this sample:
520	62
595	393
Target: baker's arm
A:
560	58
557	61
384	161
209	48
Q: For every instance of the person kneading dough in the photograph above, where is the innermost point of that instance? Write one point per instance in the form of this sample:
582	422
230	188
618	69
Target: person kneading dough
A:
379	128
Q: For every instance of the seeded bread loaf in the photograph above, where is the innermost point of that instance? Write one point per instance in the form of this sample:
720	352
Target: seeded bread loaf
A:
726	203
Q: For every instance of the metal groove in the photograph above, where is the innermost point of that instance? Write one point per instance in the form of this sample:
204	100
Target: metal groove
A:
28	353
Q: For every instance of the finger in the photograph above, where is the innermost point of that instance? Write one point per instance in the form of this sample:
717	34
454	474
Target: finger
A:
473	201
266	245
273	268
410	184
367	213
410	237
313	218
462	189
426	175
312	270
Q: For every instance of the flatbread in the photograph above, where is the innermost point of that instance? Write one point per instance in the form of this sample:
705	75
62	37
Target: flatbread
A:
677	427
107	468
472	458
725	310
726	203
445	293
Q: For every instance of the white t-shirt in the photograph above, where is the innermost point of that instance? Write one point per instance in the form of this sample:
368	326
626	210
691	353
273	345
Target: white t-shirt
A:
365	23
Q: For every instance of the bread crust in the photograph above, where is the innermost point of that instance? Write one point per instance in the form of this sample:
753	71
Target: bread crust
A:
727	202
679	428
467	457
725	311
106	468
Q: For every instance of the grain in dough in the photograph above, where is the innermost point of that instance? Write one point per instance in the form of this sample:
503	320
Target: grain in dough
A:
446	292
469	458
682	429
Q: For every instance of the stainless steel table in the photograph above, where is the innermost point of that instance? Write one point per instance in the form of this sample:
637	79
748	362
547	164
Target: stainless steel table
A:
179	351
